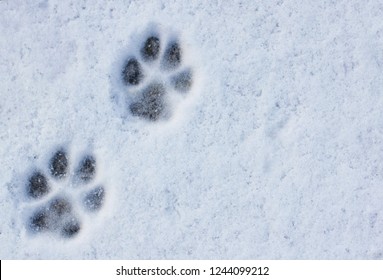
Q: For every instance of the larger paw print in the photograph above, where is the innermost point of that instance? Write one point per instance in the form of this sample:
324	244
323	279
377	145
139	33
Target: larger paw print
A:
61	193
152	75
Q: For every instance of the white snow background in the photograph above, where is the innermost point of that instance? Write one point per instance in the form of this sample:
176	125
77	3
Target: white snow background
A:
276	154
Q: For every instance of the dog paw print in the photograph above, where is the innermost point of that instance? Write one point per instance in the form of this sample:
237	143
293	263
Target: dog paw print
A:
63	195
153	75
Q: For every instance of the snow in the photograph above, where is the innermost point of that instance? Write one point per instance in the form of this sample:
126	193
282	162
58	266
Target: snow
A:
276	153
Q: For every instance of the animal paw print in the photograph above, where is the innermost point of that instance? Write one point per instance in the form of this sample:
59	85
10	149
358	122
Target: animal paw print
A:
153	74
62	193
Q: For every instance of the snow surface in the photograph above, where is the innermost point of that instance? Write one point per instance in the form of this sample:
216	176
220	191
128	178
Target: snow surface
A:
276	154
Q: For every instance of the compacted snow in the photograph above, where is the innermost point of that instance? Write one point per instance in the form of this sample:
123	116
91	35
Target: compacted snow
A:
191	129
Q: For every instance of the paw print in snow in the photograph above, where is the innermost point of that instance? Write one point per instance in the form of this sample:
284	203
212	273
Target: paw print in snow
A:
63	194
153	75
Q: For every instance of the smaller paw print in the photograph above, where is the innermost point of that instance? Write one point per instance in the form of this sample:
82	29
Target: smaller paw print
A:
61	193
152	75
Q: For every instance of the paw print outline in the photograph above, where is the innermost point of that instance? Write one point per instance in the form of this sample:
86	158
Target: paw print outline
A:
156	76
63	195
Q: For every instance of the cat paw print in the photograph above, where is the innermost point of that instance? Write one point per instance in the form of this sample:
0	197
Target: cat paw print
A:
156	77
63	195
